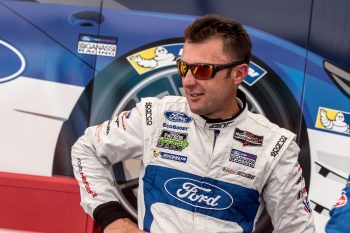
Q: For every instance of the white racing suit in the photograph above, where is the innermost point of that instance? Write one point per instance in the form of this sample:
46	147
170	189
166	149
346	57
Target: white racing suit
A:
196	176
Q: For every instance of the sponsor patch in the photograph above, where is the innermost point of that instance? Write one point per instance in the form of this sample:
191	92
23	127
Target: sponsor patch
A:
247	138
172	140
149	119
243	158
307	206
97	45
255	73
177	117
199	194
342	200
278	146
155	57
239	173
220	125
84	180
174	157
165	125
333	120
156	153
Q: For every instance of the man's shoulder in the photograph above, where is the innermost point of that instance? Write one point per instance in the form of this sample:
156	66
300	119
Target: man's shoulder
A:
170	99
264	122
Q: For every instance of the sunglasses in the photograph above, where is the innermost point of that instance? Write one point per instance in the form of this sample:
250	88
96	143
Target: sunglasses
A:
202	71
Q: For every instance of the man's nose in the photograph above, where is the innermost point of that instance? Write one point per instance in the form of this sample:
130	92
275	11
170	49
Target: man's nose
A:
189	80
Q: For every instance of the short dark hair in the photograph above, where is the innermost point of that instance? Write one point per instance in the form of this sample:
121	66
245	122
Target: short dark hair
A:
236	40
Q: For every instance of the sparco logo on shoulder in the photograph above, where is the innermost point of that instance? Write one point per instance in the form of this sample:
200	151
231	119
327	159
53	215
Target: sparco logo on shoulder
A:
148	113
199	194
177	117
278	146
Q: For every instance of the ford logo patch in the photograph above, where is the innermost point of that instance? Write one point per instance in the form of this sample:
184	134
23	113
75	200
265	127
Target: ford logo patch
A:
178	117
199	194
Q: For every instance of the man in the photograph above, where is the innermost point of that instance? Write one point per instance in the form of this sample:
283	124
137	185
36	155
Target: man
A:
340	214
208	164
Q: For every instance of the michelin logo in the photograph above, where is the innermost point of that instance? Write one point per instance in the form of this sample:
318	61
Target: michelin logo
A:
174	157
154	58
161	58
333	120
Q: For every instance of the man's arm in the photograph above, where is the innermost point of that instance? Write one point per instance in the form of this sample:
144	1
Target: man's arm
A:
93	155
285	195
122	225
340	214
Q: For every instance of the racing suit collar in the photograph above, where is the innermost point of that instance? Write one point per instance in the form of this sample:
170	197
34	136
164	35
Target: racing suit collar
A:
212	124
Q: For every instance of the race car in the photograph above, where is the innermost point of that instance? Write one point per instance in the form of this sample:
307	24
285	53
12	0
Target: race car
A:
85	64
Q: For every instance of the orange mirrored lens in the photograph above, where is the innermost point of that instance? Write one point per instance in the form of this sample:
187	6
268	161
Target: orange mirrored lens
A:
202	71
199	71
182	68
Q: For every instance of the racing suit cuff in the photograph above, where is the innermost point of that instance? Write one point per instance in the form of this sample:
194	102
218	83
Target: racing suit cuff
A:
107	213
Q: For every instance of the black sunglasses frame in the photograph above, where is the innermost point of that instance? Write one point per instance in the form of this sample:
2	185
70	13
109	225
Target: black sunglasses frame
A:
216	68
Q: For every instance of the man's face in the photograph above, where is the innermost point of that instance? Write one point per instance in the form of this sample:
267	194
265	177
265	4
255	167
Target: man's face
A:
214	98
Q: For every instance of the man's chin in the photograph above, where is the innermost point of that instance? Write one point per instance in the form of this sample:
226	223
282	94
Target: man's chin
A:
197	110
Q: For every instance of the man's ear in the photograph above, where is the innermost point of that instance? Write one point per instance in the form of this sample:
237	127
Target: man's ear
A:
239	74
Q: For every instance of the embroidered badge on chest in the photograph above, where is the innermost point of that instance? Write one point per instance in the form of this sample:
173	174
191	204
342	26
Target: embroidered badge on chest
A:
247	138
172	140
243	158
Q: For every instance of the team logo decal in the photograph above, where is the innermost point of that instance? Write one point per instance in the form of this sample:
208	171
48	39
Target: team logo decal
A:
169	156
243	158
199	194
97	45
247	138
239	173
165	125
155	58
278	146
333	120
172	140
255	73
342	200
177	117
148	110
